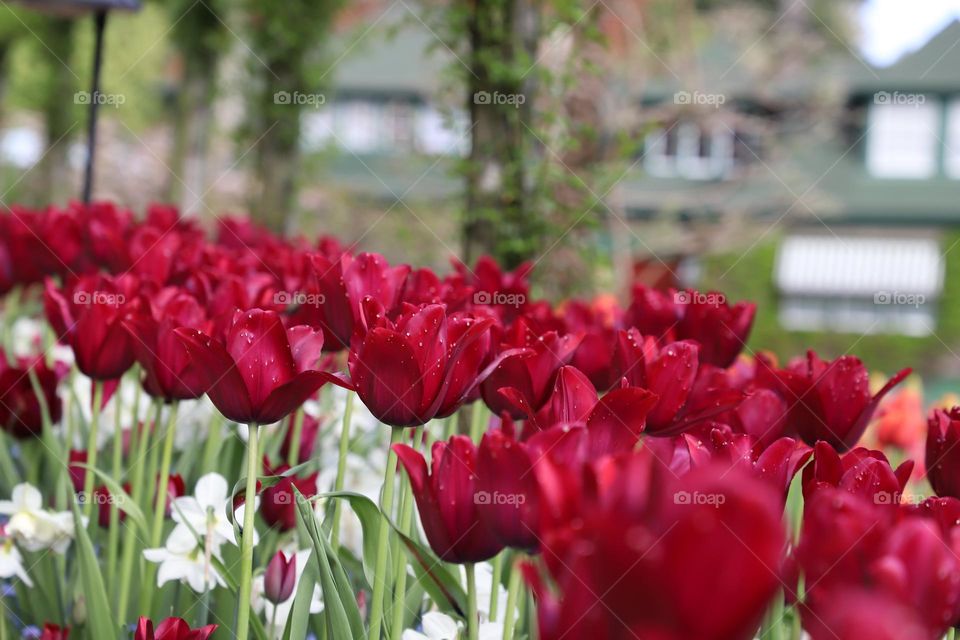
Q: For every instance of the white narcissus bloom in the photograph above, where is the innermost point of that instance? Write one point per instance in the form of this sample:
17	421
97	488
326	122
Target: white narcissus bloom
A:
184	559
262	605
206	510
11	562
32	526
440	626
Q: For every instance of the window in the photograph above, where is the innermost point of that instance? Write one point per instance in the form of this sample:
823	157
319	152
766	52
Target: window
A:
951	154
689	150
358	125
902	136
440	135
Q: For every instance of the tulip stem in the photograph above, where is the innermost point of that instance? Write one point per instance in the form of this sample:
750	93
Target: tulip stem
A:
477	413
399	558
113	535
341	469
509	612
296	426
383	539
246	542
495	586
472	619
160	506
92	448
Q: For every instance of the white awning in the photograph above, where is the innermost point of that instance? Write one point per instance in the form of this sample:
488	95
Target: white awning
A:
854	267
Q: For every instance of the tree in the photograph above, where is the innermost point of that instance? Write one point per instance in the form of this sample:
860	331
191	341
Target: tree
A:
287	39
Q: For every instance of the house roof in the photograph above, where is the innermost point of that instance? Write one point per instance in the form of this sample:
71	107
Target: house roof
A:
931	68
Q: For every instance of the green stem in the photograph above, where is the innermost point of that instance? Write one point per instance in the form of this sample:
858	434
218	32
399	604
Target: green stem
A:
383	539
477	424
400	558
341	469
159	507
92	448
473	622
495	586
246	542
509	613
212	447
130	533
113	535
293	455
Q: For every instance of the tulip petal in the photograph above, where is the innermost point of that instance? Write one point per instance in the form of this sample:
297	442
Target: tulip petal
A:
225	386
257	343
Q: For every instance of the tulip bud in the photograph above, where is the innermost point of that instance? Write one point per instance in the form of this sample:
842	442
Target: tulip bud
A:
280	578
54	632
943	456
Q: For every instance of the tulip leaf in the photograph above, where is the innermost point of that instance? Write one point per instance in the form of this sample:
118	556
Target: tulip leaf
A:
437	579
125	503
370	518
342	613
100	620
299	619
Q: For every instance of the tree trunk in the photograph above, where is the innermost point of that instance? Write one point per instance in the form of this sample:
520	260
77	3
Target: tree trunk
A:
277	151
59	115
499	218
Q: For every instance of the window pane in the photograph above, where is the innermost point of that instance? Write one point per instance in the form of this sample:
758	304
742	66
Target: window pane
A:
902	138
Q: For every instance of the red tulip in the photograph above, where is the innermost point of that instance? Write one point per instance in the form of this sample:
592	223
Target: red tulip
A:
510	507
531	373
653	313
54	632
670	372
341	283
104	501
448	498
623	558
171	629
831	401
175	488
169	372
263	372
277	503
280	578
88	314
308	439
862	472
423	365
722	330
20	413
943	455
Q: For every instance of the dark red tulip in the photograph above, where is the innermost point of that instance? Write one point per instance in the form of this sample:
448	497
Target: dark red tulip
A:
308	439
263	372
54	632
531	373
423	365
447	499
942	453
277	503
507	293
653	313
622	558
104	501
341	283
831	401
510	507
167	367
171	629
88	315
77	474
862	472
175	489
20	413
721	329
670	372
280	578
614	421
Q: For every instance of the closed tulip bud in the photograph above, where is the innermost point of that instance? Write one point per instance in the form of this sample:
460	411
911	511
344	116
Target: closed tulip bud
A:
280	578
943	455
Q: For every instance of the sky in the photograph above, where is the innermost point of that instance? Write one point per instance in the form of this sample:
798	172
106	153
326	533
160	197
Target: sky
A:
891	28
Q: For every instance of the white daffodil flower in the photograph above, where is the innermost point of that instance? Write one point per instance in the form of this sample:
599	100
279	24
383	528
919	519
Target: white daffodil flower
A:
32	526
11	562
264	606
206	510
184	559
440	626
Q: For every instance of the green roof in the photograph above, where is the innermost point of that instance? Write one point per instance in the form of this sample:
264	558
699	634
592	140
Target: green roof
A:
932	68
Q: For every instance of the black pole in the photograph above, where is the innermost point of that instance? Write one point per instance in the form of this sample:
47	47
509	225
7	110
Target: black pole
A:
100	22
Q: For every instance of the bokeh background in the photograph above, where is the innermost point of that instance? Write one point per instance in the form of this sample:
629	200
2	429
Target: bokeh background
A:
801	153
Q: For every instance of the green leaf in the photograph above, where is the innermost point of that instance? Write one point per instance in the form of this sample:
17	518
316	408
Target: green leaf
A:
340	604
126	504
100	621
370	518
436	577
299	619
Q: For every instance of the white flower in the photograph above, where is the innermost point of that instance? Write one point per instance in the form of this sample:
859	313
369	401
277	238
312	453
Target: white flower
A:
184	559
436	626
261	604
11	563
206	510
33	527
361	475
484	578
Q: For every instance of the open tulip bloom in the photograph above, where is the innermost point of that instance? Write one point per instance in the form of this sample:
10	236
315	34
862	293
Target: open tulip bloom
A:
175	467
